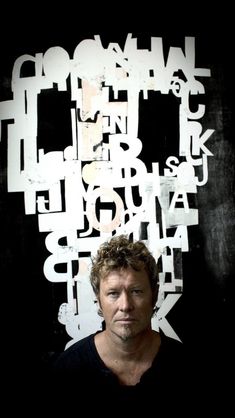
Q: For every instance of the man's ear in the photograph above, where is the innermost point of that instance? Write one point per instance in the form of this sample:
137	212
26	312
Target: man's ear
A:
155	295
100	313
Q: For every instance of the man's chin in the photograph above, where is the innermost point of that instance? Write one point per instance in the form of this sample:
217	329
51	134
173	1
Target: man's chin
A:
126	337
125	333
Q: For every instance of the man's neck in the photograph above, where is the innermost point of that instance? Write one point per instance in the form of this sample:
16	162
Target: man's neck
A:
133	348
129	358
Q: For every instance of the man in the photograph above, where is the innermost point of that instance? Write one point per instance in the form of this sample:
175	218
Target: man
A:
127	361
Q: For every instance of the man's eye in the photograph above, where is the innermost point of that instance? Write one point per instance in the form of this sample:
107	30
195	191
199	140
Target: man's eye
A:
113	293
136	291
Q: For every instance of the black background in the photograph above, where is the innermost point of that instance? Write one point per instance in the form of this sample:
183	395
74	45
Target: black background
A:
31	333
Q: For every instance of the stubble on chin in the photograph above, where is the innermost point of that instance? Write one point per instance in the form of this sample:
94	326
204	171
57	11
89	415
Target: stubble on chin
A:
125	334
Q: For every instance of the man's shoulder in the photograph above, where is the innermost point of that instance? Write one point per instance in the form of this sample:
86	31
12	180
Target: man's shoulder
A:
171	343
80	344
172	350
76	354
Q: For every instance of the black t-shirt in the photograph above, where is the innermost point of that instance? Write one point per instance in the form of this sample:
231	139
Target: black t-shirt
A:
181	382
80	373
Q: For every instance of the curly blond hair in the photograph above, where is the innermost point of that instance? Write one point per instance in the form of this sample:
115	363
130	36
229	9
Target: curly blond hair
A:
120	252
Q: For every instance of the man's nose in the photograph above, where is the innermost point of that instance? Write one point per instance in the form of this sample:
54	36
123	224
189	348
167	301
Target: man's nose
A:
126	302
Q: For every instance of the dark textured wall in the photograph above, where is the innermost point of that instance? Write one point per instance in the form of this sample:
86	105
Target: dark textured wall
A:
204	315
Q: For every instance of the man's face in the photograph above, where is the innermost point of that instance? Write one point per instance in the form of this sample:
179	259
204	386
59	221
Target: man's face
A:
126	302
